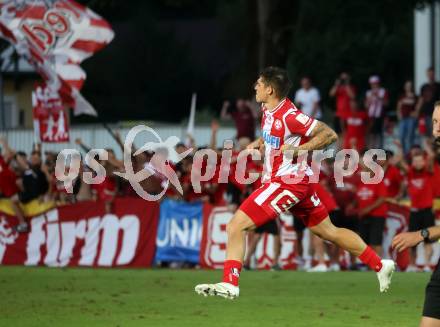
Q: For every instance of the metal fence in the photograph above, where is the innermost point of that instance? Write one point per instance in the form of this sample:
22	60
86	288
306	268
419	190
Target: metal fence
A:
98	137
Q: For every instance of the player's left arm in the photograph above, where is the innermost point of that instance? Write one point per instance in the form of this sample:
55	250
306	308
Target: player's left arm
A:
320	137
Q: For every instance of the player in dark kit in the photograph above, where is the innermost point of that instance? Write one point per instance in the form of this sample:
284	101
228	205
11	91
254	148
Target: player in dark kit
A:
431	309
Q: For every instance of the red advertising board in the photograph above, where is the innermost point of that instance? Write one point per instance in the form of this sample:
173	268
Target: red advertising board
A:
84	235
214	238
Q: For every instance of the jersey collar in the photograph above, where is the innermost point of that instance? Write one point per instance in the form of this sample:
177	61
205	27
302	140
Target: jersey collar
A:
277	107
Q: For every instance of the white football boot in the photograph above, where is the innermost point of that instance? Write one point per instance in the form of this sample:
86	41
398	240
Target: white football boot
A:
427	269
226	290
334	267
319	268
412	268
385	274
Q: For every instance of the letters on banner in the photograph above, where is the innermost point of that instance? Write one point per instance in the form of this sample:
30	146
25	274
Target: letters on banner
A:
83	235
214	238
179	232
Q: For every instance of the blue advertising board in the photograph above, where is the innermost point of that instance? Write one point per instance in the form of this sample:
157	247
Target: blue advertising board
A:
179	231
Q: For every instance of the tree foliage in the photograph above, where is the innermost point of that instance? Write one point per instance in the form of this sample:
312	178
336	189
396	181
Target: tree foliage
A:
152	67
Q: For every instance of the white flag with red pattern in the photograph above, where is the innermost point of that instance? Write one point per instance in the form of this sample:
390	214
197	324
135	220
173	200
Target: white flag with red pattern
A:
56	36
50	119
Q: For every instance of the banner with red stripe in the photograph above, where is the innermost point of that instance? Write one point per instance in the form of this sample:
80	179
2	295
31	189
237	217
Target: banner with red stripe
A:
84	235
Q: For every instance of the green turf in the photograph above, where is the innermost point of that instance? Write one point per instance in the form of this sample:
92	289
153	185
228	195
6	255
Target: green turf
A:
112	297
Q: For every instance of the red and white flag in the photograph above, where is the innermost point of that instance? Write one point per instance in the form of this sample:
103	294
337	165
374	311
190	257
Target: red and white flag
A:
50	119
55	36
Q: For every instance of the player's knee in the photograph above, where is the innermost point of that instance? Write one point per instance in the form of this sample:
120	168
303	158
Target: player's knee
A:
237	224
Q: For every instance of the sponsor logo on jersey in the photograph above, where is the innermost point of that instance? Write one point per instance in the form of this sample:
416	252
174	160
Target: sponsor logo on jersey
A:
273	141
417	183
365	193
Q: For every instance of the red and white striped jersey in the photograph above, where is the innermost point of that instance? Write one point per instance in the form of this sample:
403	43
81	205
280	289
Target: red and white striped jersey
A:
285	124
375	102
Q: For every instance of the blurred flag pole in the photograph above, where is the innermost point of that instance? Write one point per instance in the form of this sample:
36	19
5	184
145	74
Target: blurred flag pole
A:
35	120
192	114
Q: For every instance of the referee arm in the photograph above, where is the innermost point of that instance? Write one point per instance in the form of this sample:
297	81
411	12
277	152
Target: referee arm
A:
407	240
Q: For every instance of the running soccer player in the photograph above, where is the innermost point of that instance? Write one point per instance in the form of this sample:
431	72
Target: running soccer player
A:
285	132
431	308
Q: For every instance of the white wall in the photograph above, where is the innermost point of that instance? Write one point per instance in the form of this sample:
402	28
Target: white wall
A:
97	137
437	44
423	46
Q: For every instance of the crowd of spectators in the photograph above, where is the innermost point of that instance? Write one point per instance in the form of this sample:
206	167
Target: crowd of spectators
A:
412	171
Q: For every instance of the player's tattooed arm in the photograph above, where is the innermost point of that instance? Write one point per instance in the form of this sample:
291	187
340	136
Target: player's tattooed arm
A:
321	137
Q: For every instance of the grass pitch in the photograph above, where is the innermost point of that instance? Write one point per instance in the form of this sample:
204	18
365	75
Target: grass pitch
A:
115	297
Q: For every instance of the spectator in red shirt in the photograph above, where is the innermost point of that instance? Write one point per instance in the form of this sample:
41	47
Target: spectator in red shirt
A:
372	210
220	191
189	194
343	91
236	191
9	190
105	192
407	116
357	124
214	189
244	117
421	193
392	176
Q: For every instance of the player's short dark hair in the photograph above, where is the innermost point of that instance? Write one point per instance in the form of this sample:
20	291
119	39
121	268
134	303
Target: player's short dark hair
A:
437	104
278	79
